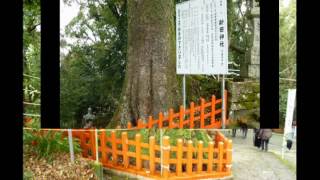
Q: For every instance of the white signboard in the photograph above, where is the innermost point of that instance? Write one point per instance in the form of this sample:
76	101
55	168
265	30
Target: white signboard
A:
201	37
289	113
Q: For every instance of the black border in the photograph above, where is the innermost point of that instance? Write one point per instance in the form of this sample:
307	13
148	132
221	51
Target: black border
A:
269	64
50	64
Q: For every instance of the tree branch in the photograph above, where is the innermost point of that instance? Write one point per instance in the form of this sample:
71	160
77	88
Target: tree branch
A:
113	8
236	48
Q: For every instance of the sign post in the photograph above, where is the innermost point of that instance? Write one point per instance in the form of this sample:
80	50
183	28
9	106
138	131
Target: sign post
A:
202	40
289	117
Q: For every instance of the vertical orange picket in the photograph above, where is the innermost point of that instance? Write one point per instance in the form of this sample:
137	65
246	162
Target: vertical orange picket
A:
171	118
140	124
150	122
114	147
83	144
160	119
220	156
210	157
213	109
151	154
189	158
191	115
229	155
138	151
181	117
93	144
179	157
103	147
200	156
129	125
166	156
124	139
202	113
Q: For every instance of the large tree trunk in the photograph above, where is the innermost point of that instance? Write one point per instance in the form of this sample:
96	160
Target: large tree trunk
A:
151	83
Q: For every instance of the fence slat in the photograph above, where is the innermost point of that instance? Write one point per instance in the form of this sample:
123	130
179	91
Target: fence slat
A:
103	147
213	109
171	118
83	144
138	151
202	113
191	115
124	138
189	158
225	104
220	156
181	117
93	144
150	122
160	119
166	156
129	125
200	156
179	157
210	157
151	154
114	147
229	155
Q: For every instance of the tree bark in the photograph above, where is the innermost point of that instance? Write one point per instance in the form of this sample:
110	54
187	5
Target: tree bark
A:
150	84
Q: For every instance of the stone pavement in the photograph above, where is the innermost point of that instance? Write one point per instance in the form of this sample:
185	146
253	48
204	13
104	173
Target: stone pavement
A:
250	163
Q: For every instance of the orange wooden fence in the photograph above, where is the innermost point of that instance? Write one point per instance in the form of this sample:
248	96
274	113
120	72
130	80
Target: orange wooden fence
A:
202	116
185	160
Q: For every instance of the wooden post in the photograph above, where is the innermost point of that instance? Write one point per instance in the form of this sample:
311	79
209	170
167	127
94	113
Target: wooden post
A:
103	147
225	105
151	154
229	155
83	144
220	156
213	109
138	151
191	115
93	144
202	113
179	157
160	119
200	157
129	125
150	122
210	157
124	139
171	118
181	117
114	147
140	123
166	156
189	158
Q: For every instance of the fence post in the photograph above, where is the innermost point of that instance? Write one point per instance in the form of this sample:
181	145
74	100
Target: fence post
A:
170	118
138	151
229	155
202	113
200	157
160	119
181	117
191	115
103	147
220	156
140	123
151	154
166	156
83	144
179	157
114	147
150	122
213	109
93	144
129	125
189	158
210	157
124	139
